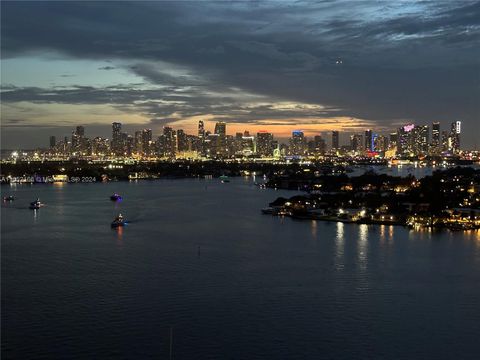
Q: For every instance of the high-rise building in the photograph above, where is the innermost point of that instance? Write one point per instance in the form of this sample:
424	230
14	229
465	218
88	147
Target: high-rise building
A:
117	146
368	140
53	141
436	141
393	138
194	143
380	143
248	144
147	142
421	139
138	142
128	144
170	142
455	131
405	140
78	140
220	128
212	145
237	143
221	131
182	141
356	142
80	131
335	140
201	130
100	146
445	141
297	143
264	144
320	146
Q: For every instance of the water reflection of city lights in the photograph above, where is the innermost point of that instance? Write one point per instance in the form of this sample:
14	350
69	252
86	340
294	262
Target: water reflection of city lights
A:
313	227
362	245
390	232
340	246
382	233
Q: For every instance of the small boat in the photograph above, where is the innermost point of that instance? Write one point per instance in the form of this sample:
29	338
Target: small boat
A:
224	179
35	205
9	198
119	221
115	197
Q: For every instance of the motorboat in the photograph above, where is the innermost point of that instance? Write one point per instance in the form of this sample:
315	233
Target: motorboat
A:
224	179
35	205
8	198
119	221
116	197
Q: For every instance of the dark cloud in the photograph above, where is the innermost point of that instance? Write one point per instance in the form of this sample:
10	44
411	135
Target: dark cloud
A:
107	68
399	60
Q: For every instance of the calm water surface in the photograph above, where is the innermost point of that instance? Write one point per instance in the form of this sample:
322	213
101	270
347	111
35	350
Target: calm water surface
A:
200	259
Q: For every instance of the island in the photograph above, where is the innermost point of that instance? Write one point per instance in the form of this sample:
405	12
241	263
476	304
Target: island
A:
446	199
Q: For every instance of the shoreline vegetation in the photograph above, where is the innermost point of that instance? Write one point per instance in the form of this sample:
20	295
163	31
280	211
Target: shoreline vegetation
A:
447	199
77	171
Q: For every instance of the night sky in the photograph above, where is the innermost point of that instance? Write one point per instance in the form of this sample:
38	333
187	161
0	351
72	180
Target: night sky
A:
277	66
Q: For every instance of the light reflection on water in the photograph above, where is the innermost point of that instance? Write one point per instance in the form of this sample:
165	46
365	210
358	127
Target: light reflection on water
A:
340	246
382	233
362	250
119	232
313	227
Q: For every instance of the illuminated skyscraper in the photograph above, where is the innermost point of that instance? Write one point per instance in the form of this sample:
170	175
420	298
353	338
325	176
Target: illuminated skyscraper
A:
264	144
445	141
380	143
405	140
53	142
170	142
100	146
248	144
297	143
201	130
117	146
369	140
421	137
221	140
356	142
393	138
436	138
128	144
455	131
78	140
147	142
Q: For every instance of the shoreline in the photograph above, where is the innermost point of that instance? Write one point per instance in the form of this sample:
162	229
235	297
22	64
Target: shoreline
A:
453	227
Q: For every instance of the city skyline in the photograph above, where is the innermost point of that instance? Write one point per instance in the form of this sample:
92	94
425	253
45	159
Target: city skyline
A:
408	141
316	67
